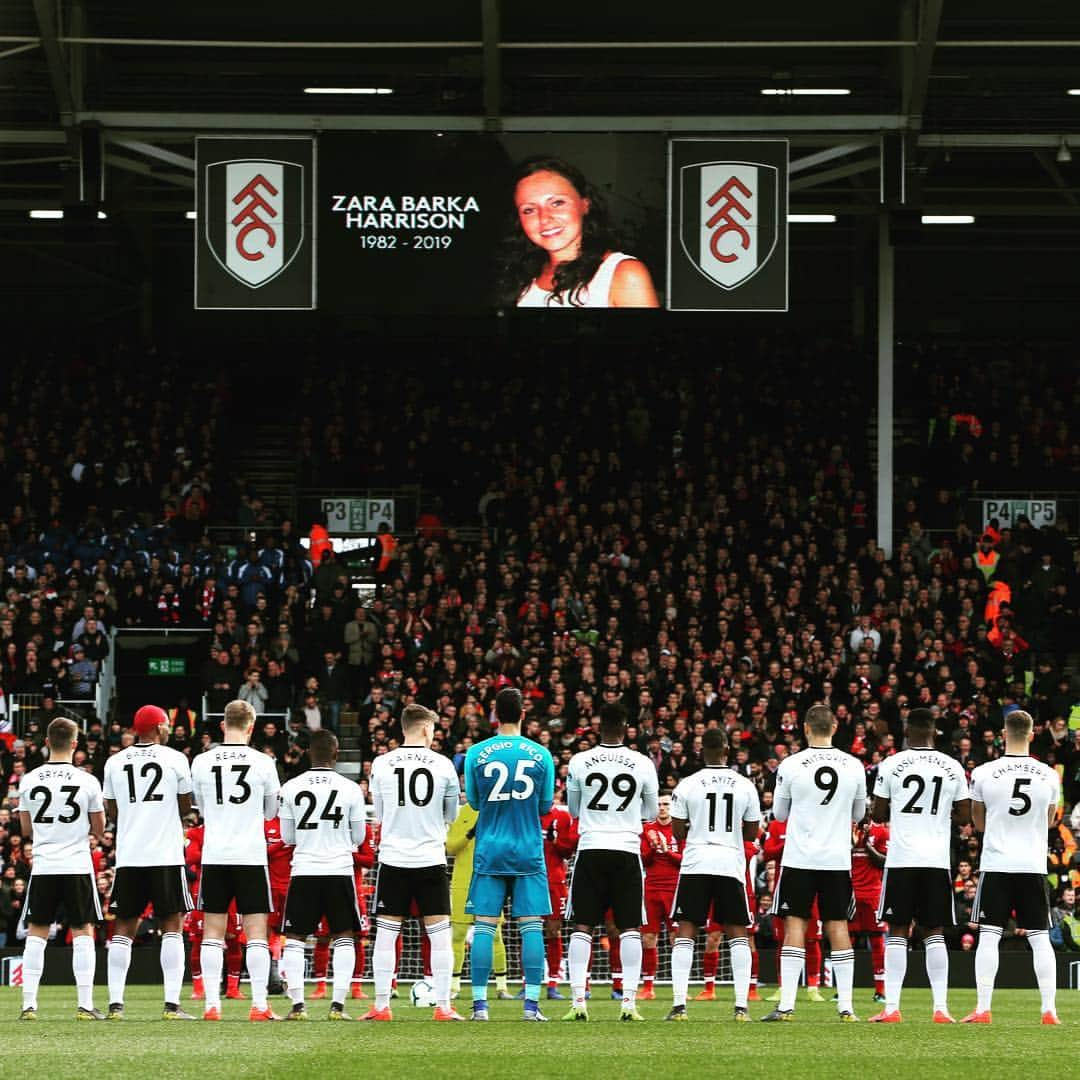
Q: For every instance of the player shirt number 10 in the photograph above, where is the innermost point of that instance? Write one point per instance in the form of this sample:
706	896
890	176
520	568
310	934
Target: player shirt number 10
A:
523	784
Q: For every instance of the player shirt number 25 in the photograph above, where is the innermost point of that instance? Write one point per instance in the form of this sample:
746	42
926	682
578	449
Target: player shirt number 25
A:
236	790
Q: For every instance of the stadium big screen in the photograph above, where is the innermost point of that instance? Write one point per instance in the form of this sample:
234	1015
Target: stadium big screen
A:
467	223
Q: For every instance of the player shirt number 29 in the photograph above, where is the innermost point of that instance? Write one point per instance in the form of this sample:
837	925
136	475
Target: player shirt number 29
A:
612	789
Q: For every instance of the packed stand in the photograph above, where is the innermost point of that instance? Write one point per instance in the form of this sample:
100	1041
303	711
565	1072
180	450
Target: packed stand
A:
693	541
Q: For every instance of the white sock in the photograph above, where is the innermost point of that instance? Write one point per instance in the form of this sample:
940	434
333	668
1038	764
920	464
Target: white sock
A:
682	960
843	969
578	958
442	960
792	962
212	960
896	957
33	966
119	960
83	965
172	966
344	952
1045	963
258	965
741	962
937	970
291	969
986	966
384	959
630	950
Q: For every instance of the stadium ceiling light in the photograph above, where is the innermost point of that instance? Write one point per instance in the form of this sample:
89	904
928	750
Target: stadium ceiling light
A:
190	215
57	215
812	219
948	219
804	91
1074	92
348	90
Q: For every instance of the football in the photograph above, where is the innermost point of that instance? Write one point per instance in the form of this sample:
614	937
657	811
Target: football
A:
422	994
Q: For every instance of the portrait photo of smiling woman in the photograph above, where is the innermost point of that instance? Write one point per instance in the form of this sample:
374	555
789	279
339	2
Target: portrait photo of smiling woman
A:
559	249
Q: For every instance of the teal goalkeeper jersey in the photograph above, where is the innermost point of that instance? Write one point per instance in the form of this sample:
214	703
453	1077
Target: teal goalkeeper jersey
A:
510	780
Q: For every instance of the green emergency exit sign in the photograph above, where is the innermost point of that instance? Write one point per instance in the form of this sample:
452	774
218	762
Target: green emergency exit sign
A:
166	665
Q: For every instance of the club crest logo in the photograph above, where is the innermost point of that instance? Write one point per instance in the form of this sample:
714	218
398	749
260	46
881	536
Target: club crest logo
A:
254	217
730	210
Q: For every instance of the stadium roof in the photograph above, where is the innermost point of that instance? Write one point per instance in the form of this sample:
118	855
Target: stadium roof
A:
980	91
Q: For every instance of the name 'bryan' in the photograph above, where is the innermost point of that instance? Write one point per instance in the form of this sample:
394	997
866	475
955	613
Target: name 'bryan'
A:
406	212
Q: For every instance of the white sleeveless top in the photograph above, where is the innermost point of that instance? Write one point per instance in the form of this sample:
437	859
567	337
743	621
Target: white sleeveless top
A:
597	294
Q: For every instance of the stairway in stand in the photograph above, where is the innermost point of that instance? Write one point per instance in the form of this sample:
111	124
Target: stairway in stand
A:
265	455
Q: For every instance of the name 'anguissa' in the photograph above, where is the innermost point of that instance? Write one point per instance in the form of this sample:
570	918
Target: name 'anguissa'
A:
405	211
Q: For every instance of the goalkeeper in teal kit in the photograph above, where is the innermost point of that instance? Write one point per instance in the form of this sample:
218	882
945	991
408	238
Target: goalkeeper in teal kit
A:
510	780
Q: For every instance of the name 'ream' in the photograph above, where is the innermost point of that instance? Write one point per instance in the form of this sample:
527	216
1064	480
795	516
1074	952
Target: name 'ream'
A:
447	204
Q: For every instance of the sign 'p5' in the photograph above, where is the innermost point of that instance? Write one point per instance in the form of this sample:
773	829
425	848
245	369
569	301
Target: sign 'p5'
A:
255	223
727	225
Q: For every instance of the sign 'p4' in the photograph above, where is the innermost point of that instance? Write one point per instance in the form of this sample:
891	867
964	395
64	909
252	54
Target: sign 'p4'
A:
255	223
727	225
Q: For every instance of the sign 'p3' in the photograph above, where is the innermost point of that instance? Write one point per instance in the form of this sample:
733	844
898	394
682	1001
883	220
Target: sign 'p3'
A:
255	231
727	227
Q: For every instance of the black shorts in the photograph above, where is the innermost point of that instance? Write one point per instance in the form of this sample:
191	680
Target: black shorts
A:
396	887
697	894
917	894
310	898
249	886
136	886
796	889
1001	896
605	881
66	898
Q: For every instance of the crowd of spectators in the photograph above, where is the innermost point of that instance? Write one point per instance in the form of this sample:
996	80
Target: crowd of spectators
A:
693	541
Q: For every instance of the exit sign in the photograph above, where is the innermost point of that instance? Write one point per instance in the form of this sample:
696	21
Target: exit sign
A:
166	665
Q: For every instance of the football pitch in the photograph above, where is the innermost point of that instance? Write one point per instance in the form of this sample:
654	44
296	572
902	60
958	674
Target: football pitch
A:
816	1045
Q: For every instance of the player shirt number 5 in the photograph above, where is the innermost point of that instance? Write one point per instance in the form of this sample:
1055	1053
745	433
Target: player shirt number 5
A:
1017	792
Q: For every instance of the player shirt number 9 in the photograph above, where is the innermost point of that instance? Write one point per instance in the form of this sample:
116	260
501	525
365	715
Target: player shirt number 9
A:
826	790
715	801
612	789
144	782
1018	793
236	790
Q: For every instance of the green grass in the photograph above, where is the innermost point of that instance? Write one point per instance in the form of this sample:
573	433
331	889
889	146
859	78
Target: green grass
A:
816	1045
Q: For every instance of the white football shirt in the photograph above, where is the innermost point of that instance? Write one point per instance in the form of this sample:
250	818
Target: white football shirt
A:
326	813
416	794
921	784
1017	793
819	791
611	790
236	789
144	780
60	799
715	801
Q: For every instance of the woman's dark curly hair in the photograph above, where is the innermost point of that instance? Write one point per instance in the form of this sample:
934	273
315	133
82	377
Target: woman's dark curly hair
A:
520	261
